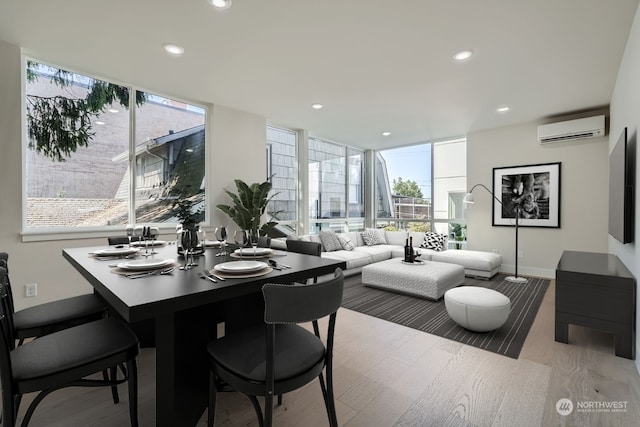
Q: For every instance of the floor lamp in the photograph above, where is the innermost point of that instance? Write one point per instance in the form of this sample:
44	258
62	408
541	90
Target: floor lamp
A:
469	199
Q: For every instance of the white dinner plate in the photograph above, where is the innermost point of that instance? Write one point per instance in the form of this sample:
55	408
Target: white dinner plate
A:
145	264
240	266
249	251
115	251
140	243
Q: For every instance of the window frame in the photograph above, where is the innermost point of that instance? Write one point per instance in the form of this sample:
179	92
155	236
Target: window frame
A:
33	234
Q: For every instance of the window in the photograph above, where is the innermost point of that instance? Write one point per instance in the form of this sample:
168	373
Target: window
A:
79	171
336	187
282	168
420	187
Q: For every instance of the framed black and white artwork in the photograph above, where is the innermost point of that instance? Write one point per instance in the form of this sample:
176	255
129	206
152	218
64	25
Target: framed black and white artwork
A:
531	191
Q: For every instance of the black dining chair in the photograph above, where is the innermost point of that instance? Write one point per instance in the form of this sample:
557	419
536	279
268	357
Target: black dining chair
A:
64	359
283	356
304	247
52	316
121	240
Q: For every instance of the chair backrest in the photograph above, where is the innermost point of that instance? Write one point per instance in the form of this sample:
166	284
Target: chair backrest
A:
264	242
120	240
8	300
304	247
7	341
300	303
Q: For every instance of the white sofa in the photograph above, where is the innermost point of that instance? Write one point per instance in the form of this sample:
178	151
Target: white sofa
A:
476	264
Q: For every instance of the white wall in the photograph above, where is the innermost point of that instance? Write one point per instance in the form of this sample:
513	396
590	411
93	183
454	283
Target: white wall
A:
583	192
237	151
625	112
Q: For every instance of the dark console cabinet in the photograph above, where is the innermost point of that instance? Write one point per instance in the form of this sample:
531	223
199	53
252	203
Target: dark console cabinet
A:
597	291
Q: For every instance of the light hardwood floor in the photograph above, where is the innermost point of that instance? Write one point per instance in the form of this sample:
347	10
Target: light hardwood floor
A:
389	375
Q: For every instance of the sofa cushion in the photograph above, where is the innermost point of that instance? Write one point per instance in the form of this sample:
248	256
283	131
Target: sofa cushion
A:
330	241
372	237
398	238
473	260
433	241
345	242
376	252
353	259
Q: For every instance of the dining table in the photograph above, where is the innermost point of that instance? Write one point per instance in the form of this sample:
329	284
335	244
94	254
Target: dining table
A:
188	311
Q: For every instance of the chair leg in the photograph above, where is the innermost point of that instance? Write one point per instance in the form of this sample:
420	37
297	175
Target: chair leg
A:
133	391
331	404
114	388
258	409
9	409
212	399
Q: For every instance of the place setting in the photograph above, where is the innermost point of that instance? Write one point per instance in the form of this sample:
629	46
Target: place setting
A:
112	253
135	269
241	269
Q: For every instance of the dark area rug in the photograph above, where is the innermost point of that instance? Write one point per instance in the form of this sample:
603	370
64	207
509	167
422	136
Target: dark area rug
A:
431	316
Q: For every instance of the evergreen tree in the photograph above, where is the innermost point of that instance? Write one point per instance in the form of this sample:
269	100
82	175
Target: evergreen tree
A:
58	125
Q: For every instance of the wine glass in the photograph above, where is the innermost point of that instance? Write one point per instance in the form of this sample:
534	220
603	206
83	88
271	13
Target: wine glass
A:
253	240
240	237
138	231
187	240
153	235
129	229
221	236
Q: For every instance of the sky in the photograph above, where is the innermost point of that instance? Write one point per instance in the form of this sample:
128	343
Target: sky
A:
410	163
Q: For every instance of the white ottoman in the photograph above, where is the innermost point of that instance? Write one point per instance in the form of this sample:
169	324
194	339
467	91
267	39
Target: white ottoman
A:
477	309
427	279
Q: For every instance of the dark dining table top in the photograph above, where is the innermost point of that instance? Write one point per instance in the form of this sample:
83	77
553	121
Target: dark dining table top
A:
152	296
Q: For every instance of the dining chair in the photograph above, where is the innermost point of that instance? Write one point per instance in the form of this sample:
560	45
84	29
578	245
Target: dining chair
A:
43	319
283	356
304	247
121	240
64	359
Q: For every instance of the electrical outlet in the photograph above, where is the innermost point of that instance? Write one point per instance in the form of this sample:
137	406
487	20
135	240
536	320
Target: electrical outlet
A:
30	290
520	254
220	330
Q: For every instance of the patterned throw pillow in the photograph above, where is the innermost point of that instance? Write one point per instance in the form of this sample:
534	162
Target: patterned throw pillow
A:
330	241
346	243
372	237
433	241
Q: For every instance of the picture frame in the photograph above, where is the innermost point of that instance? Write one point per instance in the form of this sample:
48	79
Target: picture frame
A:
534	190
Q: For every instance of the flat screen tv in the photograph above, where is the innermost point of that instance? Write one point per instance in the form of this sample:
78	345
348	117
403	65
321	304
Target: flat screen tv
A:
621	184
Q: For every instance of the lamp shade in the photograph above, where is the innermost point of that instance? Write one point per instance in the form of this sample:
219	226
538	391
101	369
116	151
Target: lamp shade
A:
468	198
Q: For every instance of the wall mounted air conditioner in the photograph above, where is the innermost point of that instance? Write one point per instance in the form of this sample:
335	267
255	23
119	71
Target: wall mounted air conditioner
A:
589	127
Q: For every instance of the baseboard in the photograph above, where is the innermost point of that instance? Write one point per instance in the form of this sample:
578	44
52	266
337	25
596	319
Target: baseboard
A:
529	271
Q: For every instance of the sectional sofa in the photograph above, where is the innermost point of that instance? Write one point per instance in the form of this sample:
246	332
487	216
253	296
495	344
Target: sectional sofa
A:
476	263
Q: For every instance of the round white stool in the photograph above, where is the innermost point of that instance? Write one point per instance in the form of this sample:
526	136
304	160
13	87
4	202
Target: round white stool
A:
477	309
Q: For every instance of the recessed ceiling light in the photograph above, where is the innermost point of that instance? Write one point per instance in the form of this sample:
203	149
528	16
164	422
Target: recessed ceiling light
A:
99	122
386	133
463	55
220	4
189	150
113	110
316	106
173	49
503	109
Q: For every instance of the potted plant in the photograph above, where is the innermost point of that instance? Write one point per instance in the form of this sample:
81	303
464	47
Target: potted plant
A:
189	220
249	205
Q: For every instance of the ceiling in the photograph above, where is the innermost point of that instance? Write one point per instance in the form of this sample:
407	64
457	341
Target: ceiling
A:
375	65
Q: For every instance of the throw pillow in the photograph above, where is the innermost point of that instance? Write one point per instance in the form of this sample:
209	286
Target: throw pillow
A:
371	237
330	241
346	243
433	241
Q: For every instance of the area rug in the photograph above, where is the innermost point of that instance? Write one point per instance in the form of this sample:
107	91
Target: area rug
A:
431	316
